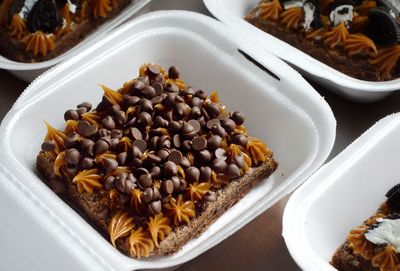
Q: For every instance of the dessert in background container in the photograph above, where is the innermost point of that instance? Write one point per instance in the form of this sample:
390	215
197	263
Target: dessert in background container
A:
233	12
341	195
281	108
29	71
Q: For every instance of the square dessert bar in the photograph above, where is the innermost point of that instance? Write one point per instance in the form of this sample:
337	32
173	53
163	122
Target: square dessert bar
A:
38	30
360	38
155	163
375	245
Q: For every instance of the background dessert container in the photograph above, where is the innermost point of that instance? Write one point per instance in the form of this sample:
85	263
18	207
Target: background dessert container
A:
341	195
29	71
231	12
297	124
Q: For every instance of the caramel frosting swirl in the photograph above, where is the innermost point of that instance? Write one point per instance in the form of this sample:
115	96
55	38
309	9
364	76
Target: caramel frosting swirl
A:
121	224
159	227
57	136
337	36
66	15
218	180
17	27
88	180
180	210
102	8
198	190
359	44
386	59
39	43
292	17
258	151
59	163
387	259
114	96
315	34
140	243
270	11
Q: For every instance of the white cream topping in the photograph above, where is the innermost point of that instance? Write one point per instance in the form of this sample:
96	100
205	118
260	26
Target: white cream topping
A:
72	7
28	5
309	10
395	3
387	232
293	4
341	14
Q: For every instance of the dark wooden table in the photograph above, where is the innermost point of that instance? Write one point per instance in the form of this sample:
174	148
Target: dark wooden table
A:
259	245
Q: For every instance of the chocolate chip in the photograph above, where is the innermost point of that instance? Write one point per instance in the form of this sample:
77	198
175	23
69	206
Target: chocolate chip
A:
219	165
213	110
148	92
158	88
137	162
199	143
153	70
154	208
175	156
103	133
233	171
185	163
109	182
85	129
167	186
205	173
145	180
201	94
72	156
196	101
229	125
150	194
48	145
223	115
155	171
170	169
133	100
220	154
87	163
181	110
73	140
238	117
163	154
196	125
173	72
121	158
144	79
187	145
196	112
177	140
240	161
136	152
135	133
212	122
172	88
87	146
240	139
141	144
192	174
218	130
210	196
108	123
86	105
203	156
153	159
188	130
109	164
101	146
187	91
214	142
174	126
144	118
71	115
116	133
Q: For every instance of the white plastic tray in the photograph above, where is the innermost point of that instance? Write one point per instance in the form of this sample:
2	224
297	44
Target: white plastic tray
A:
232	12
288	114
29	71
341	195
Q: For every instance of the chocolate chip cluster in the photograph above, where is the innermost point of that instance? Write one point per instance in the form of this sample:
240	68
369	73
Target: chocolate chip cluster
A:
153	140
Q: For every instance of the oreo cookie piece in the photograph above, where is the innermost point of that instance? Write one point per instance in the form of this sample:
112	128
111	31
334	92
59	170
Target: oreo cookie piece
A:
15	8
75	5
382	28
341	11
44	16
291	3
312	14
390	5
393	196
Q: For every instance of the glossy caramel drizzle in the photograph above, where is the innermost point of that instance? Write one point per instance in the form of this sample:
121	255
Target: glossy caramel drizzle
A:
359	44
386	59
292	17
101	8
270	11
39	43
337	36
17	27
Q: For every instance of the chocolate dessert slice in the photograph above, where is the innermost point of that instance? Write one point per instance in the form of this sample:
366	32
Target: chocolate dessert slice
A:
155	163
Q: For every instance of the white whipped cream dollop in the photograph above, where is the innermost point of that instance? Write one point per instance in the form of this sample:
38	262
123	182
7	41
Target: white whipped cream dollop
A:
28	5
387	232
72	7
293	4
309	10
342	13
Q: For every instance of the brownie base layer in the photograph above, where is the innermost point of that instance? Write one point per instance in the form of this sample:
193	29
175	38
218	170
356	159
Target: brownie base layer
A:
226	197
356	66
345	260
15	49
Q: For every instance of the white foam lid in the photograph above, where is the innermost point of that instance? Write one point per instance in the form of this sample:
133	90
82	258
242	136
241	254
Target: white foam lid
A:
232	12
294	120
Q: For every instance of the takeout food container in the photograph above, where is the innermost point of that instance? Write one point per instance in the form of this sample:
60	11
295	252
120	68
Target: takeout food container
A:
341	195
29	71
297	124
232	12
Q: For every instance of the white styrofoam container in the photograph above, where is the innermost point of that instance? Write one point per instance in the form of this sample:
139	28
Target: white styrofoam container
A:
231	12
341	195
288	114
29	71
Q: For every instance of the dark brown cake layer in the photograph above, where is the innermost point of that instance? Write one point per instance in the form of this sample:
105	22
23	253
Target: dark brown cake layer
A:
15	49
356	66
345	260
91	205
